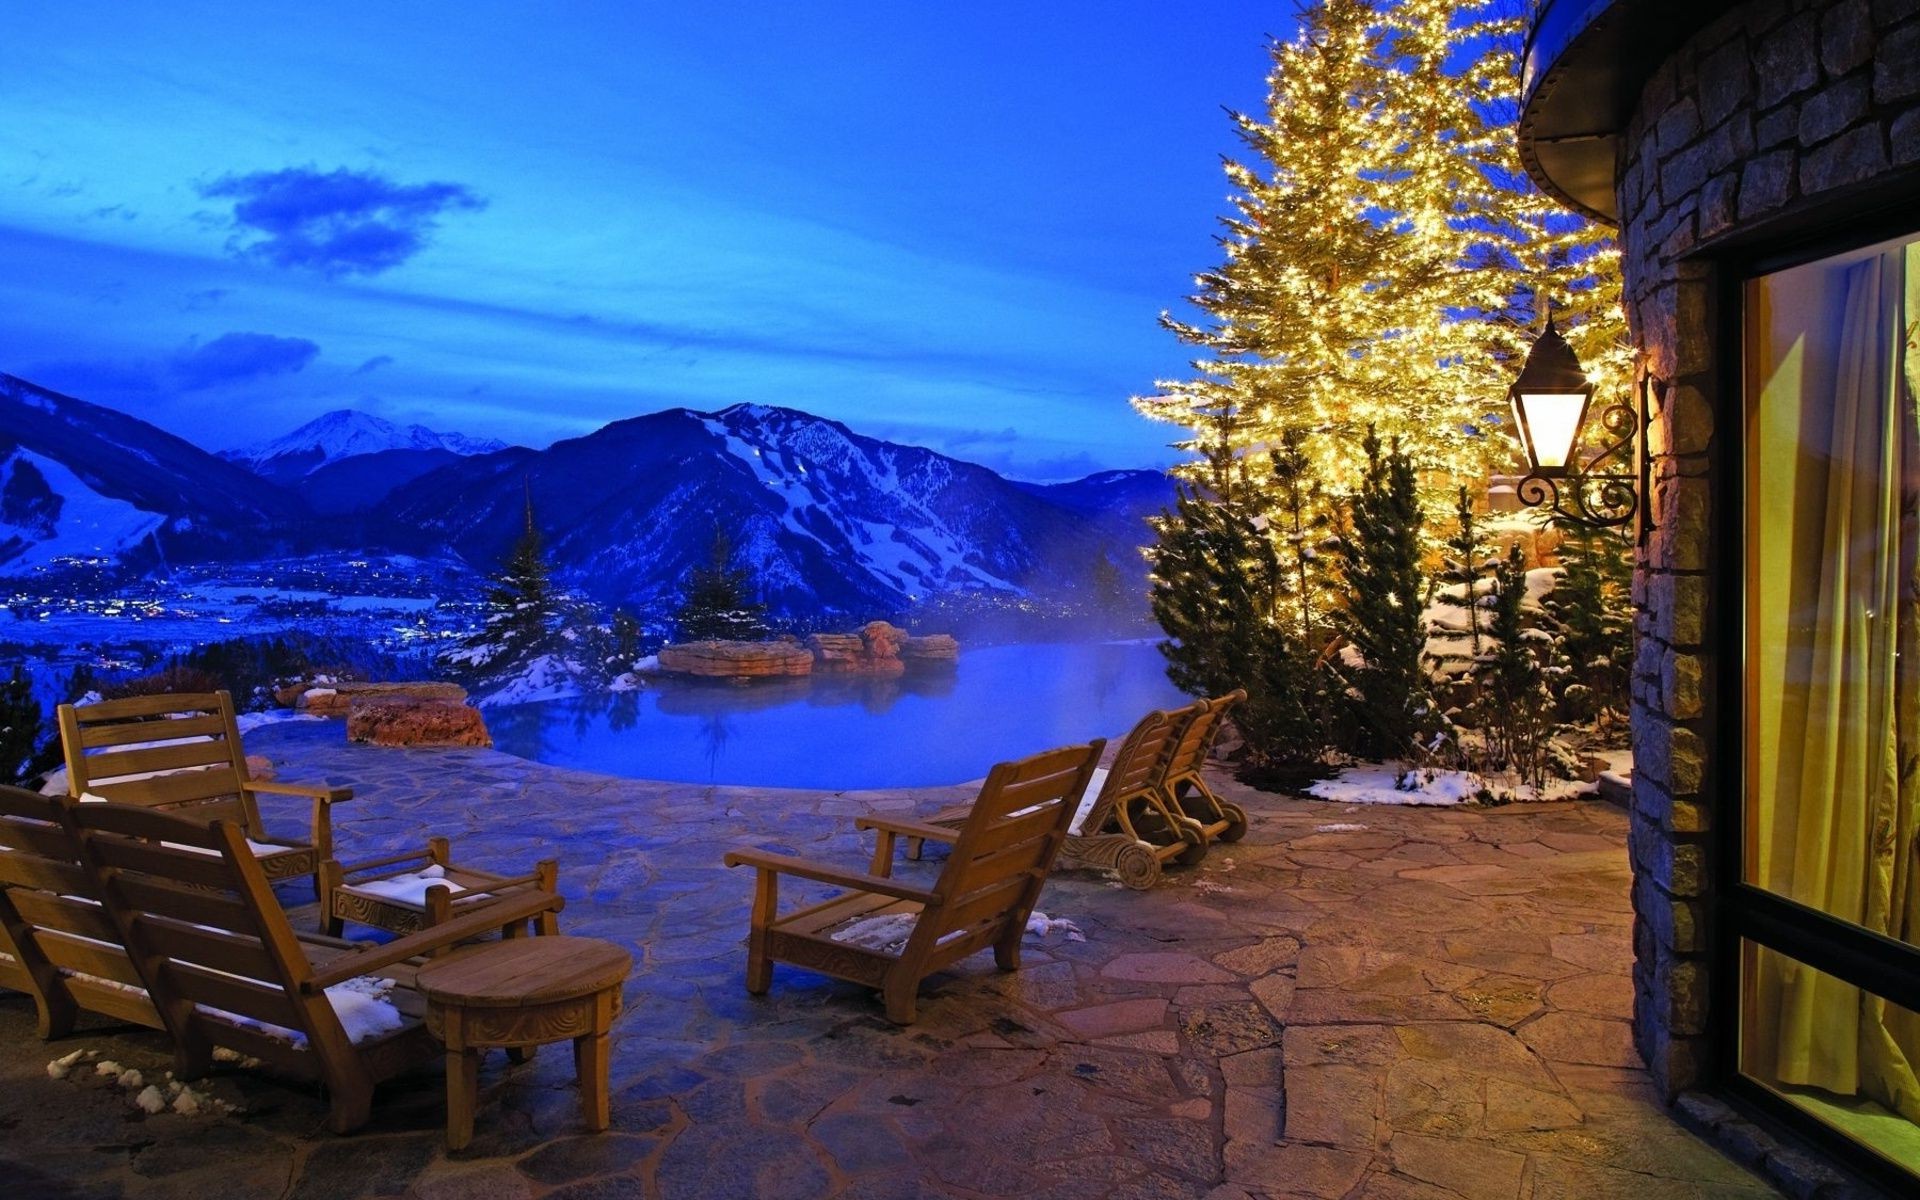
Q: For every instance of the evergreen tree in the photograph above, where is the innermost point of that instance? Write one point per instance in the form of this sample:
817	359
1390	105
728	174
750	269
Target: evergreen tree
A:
27	747
524	611
1464	571
1301	525
1386	258
625	632
1515	707
1108	587
1590	604
1214	590
1217	592
719	601
1380	568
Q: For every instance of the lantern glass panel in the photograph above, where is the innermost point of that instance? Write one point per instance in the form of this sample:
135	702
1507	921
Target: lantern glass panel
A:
1552	422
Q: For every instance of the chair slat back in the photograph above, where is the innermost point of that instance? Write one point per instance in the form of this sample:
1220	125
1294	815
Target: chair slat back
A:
1190	752
170	752
1140	763
203	927
50	914
1002	854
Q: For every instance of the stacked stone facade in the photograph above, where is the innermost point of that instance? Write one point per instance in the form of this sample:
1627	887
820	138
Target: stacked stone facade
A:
1778	107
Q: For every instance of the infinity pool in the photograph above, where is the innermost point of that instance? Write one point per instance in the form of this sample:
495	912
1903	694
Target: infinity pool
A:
840	733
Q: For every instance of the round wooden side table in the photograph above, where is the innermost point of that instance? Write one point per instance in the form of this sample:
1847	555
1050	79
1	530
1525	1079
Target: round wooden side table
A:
517	994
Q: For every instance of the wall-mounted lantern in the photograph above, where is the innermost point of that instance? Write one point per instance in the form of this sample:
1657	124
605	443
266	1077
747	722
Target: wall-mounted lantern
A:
1550	404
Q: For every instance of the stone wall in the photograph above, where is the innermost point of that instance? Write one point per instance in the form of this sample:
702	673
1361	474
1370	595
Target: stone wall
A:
1776	108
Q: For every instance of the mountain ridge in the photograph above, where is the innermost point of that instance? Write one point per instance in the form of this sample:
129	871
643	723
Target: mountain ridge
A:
833	522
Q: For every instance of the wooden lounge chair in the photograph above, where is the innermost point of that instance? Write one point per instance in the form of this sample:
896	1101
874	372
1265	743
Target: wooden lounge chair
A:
1185	790
225	969
405	893
983	897
183	753
1124	823
57	943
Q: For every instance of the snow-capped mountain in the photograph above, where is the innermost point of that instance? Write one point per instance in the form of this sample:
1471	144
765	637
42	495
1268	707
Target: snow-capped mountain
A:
81	481
347	433
831	522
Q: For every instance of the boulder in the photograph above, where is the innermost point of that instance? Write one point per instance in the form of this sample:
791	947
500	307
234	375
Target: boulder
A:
401	721
836	652
336	699
874	650
933	650
736	660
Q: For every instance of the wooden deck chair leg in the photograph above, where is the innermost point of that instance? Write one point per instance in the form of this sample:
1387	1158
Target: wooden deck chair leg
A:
192	1055
1006	951
56	1012
332	875
901	994
766	902
547	873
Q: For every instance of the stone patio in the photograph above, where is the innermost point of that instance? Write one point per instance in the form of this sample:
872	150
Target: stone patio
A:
1417	1004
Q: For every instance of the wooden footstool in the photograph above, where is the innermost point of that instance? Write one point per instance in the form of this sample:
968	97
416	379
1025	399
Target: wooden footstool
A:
518	994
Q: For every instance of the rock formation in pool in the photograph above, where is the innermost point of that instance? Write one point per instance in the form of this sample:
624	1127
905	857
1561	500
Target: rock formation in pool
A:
877	648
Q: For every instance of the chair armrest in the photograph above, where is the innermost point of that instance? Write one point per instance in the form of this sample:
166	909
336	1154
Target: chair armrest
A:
313	791
371	864
482	919
786	864
906	828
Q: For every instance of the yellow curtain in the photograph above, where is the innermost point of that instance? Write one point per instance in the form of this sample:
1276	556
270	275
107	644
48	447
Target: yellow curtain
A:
1839	542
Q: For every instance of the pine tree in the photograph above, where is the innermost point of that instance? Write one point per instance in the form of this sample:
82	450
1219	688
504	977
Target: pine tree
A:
524	612
1217	591
1301	525
1214	590
1590	605
27	748
1380	569
1464	571
1515	708
625	633
1296	304
718	601
1108	588
1387	259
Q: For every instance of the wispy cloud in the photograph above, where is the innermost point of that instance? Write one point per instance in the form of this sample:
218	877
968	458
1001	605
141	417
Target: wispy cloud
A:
374	364
235	357
338	222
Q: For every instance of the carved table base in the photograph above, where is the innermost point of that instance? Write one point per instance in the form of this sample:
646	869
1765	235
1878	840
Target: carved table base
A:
519	994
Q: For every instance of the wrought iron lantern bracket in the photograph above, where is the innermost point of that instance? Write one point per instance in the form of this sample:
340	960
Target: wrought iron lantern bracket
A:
1605	491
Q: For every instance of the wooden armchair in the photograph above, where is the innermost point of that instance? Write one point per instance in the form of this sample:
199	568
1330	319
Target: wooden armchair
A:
985	893
1123	823
57	943
1186	791
211	943
182	753
405	893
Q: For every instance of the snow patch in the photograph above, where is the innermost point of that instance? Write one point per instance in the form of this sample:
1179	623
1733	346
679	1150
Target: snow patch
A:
1393	783
89	524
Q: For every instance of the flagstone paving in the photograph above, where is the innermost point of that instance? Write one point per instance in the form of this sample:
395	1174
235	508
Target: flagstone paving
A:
1420	1004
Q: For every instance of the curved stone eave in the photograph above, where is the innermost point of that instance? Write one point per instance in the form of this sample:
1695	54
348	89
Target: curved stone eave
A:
1582	73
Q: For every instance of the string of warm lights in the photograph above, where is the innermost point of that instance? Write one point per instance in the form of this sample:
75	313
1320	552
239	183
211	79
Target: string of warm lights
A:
1385	261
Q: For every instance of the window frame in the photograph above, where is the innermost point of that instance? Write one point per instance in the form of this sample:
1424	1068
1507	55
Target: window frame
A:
1740	910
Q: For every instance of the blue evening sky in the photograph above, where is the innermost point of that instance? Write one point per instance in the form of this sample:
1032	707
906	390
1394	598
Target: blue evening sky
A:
950	224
